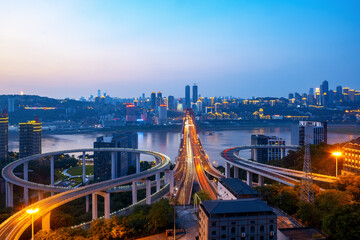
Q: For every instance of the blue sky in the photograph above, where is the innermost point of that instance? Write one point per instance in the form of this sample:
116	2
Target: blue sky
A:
239	48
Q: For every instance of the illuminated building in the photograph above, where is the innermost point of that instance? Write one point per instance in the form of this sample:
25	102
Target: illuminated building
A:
351	155
11	105
4	125
29	138
123	160
267	154
316	132
159	99
217	107
248	218
187	97
130	113
162	118
195	93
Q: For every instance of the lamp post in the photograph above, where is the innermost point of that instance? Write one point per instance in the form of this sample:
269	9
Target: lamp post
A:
32	212
336	154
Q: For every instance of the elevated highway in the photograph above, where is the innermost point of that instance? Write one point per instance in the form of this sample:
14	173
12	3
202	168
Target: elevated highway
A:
13	227
286	176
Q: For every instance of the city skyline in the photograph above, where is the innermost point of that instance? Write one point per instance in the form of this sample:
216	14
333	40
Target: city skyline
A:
241	49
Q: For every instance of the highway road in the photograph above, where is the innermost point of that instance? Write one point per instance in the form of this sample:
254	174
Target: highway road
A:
13	227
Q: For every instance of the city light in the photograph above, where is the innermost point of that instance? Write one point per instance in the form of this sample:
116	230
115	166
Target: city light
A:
336	154
32	211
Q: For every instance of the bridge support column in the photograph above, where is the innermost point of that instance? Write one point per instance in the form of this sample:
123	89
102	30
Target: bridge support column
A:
148	191
94	206
26	177
227	170
255	155
134	193
166	177
87	203
113	165
83	168
171	179
9	189
137	162
40	195
157	177
45	222
52	167
260	180
249	178
236	172
106	197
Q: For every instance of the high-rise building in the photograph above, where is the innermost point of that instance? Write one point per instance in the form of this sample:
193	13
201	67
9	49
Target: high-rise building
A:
195	93
130	113
291	95
162	118
153	100
316	132
4	125
123	160
11	105
171	103
29	138
351	155
187	97
267	154
159	99
339	94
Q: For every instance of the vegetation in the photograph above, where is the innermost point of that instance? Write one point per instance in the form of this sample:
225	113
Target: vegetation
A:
144	220
75	171
335	211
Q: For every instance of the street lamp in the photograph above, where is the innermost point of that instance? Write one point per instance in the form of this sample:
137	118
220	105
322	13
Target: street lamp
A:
336	154
32	212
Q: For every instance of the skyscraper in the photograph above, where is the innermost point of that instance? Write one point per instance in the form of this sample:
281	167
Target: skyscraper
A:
153	100
4	124
159	99
316	132
171	103
195	93
339	93
29	138
123	160
187	96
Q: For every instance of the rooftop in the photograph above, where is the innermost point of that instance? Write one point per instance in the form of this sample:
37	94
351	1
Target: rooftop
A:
302	233
237	186
251	205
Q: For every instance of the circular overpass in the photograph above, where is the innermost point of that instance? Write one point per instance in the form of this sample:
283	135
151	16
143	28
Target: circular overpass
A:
13	227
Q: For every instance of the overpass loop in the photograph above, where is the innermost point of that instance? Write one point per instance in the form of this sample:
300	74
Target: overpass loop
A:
13	227
282	175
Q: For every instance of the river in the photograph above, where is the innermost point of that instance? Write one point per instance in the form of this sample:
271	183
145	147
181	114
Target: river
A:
168	142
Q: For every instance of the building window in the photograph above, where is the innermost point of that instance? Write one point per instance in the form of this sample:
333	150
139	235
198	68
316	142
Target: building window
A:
252	229
252	238
213	233
271	228
242	229
262	228
233	230
223	236
223	228
213	224
261	237
233	223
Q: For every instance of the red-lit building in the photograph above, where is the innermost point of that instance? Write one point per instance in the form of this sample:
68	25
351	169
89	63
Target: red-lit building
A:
351	155
130	113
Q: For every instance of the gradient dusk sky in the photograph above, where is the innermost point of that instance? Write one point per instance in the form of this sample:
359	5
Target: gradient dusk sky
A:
241	48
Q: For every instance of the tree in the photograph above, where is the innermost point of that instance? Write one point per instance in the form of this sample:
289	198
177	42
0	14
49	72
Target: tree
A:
343	222
309	214
160	216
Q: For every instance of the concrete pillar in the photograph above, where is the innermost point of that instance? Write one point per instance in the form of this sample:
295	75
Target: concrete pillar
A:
282	152
52	167
94	206
40	195
26	177
45	222
157	177
106	196
113	165
260	180
171	179
166	177
227	170
9	194
134	193
236	172
249	177
148	191
83	168
87	203
255	155
137	162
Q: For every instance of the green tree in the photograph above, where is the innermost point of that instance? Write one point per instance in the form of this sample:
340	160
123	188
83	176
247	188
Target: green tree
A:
309	214
160	216
343	222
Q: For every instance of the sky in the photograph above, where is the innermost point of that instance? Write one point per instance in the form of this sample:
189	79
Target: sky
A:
242	48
